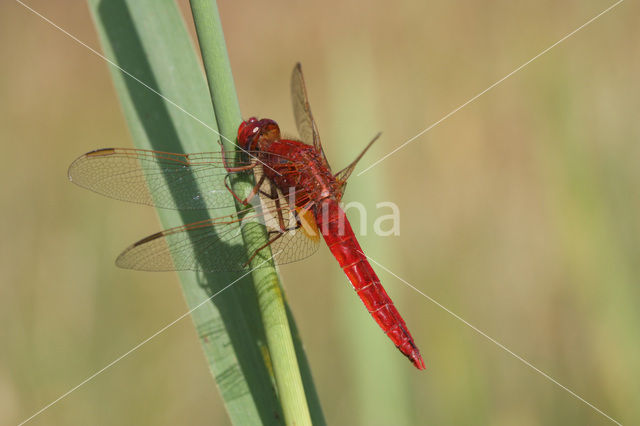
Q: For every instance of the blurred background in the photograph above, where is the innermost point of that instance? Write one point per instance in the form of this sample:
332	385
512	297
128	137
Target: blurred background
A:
519	213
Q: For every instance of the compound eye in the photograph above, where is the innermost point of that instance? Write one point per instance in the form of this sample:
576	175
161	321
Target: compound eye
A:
248	131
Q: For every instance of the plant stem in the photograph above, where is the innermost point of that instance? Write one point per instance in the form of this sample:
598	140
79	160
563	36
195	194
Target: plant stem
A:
291	391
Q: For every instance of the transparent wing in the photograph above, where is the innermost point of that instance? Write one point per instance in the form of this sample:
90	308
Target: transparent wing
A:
305	123
344	174
161	179
217	244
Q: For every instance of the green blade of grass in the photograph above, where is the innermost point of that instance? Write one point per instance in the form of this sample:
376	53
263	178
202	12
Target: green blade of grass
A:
149	43
285	352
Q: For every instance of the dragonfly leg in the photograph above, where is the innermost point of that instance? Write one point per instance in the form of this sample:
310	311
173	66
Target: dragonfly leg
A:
231	169
272	240
255	253
283	229
278	202
254	191
274	196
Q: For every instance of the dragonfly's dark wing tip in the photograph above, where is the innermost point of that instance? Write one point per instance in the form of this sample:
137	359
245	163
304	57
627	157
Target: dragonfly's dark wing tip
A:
123	260
76	166
72	168
148	254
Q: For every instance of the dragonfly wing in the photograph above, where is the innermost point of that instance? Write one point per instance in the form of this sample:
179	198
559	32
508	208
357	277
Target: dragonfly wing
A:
191	247
344	174
302	237
217	244
161	179
299	244
305	123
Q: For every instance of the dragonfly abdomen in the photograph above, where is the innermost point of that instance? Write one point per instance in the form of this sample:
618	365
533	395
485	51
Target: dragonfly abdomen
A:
342	242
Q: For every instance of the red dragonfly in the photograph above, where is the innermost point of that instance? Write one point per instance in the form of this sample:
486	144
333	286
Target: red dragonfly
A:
296	197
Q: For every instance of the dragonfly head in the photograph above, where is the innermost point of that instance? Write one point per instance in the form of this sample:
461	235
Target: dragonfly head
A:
257	135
